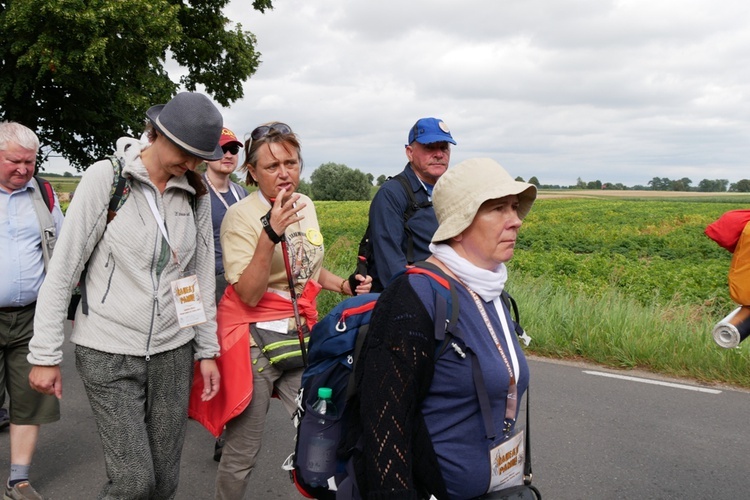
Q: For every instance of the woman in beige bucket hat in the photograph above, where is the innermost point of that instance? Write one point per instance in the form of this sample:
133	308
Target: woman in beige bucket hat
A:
425	432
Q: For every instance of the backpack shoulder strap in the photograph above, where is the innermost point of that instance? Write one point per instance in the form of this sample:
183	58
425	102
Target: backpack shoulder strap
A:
411	209
43	199
45	189
120	188
510	303
119	193
446	298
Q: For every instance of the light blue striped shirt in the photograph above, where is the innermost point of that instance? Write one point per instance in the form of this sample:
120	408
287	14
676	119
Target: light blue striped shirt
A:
22	261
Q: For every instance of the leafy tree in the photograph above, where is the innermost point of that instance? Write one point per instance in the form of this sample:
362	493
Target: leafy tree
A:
82	73
304	188
594	185
660	184
520	179
335	181
713	186
381	179
741	186
370	177
534	181
680	185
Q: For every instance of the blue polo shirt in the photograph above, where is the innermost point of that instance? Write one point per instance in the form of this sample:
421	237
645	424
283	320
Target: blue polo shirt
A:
387	232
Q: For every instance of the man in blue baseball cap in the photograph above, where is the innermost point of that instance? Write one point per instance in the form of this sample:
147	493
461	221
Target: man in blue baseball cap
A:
402	220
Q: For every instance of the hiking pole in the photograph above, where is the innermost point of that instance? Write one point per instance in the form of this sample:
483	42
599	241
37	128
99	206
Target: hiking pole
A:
293	295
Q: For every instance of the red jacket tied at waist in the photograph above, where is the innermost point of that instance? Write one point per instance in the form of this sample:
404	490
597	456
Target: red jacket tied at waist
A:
233	318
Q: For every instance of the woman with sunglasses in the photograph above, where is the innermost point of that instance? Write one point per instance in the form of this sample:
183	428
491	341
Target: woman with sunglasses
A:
259	298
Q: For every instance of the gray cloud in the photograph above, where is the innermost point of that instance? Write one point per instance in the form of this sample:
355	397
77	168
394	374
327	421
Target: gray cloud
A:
619	91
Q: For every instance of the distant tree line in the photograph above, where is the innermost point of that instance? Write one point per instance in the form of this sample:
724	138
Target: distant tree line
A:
335	181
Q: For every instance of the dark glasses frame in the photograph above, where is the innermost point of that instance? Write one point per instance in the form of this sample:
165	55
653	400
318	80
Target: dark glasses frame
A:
264	130
232	148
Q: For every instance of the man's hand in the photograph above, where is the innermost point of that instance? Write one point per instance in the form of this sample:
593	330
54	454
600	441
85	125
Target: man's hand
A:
211	378
47	380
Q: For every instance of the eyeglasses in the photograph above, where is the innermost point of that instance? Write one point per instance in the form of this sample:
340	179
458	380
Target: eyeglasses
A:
264	130
232	148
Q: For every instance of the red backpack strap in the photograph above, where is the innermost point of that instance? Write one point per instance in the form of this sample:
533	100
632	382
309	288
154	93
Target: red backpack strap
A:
45	189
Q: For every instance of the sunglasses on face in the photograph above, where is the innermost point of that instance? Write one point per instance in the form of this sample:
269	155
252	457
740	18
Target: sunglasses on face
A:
264	130
232	148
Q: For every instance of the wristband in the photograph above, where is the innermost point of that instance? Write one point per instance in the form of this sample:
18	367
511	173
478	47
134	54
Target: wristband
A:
342	287
266	221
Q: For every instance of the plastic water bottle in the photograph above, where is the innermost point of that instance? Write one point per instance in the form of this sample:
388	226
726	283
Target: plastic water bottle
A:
321	456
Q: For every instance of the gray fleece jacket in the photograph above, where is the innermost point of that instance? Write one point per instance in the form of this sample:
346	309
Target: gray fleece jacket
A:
131	309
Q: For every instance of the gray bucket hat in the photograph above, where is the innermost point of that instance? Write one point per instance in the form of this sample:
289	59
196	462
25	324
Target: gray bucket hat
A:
461	190
192	122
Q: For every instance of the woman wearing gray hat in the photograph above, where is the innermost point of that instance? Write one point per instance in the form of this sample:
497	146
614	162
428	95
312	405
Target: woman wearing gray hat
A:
149	288
426	430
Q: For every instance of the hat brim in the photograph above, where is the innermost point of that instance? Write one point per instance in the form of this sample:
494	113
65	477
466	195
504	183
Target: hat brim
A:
231	141
153	115
433	138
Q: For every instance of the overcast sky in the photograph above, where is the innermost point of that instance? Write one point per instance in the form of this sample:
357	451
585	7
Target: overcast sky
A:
617	91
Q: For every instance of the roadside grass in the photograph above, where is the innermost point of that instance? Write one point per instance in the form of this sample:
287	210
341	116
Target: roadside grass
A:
617	331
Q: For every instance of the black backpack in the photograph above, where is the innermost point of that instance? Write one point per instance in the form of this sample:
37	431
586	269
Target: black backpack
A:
365	258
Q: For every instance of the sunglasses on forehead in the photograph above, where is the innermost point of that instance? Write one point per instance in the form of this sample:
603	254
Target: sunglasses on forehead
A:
232	148
264	130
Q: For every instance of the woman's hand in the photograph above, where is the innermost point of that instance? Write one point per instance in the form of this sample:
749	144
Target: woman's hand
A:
47	380
211	378
285	213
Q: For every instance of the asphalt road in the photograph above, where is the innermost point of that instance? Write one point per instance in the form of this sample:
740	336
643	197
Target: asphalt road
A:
593	437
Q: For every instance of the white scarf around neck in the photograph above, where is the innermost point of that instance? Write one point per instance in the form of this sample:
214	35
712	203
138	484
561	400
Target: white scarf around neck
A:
487	284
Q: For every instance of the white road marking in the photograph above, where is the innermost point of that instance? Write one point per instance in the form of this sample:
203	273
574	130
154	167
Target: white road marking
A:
654	382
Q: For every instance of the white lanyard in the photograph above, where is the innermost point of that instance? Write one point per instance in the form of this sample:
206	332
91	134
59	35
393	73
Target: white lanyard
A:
232	189
159	219
508	337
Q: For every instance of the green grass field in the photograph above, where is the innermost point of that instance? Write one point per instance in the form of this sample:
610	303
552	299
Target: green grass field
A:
624	282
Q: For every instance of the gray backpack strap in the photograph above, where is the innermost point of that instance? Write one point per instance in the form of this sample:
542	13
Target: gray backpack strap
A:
47	228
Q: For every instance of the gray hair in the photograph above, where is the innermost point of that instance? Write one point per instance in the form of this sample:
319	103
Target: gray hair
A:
15	133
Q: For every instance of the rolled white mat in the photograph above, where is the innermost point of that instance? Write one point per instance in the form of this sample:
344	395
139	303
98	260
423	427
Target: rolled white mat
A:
733	329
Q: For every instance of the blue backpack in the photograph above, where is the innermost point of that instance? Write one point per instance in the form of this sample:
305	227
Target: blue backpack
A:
335	344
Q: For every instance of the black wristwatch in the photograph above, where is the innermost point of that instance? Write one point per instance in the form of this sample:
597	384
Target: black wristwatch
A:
266	221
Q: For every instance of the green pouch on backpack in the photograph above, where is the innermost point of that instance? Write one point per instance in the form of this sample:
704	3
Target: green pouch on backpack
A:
282	350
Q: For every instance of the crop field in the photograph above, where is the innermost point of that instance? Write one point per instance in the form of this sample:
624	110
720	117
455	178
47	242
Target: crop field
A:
627	281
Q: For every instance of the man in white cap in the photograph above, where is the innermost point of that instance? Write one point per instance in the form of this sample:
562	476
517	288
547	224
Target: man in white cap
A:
402	220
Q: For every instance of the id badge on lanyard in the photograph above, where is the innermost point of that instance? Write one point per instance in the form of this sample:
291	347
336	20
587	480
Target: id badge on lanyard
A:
185	290
506	462
188	301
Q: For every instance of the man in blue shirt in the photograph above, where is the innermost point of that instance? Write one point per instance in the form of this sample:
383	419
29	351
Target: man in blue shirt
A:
224	193
27	237
428	152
